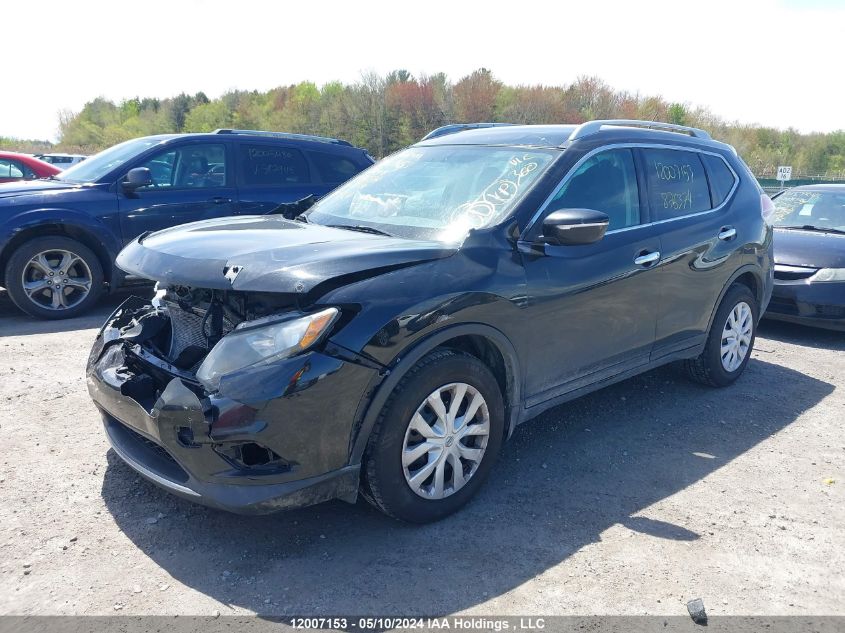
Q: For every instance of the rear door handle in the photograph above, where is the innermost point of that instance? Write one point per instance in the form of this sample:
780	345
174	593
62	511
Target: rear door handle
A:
220	200
727	233
646	259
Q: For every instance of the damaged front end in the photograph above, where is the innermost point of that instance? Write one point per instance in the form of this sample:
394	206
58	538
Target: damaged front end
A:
230	398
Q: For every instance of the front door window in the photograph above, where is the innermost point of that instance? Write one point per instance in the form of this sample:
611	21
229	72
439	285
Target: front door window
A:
200	166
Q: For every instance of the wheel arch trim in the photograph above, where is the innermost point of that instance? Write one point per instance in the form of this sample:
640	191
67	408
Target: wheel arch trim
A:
95	235
739	272
370	407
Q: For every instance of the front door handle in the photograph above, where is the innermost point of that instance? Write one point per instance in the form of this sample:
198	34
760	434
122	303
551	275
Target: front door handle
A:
727	233
220	200
646	259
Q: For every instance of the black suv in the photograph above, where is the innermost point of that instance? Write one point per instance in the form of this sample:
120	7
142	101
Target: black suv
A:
59	236
389	339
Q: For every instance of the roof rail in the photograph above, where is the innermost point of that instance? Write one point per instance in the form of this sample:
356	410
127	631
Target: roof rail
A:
443	130
287	135
592	127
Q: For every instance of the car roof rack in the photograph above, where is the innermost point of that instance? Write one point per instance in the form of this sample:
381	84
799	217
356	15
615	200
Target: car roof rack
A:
593	127
452	128
287	135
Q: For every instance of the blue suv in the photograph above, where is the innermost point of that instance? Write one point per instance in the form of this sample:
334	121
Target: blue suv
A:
59	236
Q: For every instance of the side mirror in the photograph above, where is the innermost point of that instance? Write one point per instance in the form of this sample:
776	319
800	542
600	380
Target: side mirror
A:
138	177
574	226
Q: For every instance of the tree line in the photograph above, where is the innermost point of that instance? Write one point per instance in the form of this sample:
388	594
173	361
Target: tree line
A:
386	113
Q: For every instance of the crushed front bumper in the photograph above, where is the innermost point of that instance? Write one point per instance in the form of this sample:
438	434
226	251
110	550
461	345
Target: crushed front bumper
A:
191	442
820	304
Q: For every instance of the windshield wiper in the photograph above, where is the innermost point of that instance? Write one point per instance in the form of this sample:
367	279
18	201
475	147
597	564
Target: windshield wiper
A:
359	227
811	227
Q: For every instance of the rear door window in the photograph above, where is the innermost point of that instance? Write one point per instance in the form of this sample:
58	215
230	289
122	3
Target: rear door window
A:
10	169
721	178
677	183
272	165
333	169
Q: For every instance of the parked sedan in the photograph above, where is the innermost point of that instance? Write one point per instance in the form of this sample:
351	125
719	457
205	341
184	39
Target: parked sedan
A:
810	257
62	161
15	167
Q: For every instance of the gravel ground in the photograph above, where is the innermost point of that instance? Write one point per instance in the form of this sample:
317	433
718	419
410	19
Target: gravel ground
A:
630	501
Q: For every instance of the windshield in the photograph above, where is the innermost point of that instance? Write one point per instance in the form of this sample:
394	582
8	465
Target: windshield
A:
93	168
438	192
820	209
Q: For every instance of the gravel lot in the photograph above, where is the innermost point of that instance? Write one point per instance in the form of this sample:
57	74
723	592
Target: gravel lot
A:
630	501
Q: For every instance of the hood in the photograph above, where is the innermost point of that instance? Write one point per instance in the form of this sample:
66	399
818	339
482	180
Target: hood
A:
796	247
267	254
34	187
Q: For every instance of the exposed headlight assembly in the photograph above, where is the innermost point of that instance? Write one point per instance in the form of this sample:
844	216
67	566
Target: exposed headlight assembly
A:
259	342
830	274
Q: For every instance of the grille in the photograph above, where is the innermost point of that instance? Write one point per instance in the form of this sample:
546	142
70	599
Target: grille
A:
153	446
150	453
784	306
836	312
792	273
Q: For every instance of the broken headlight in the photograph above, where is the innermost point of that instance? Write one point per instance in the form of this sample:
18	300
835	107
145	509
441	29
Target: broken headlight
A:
259	342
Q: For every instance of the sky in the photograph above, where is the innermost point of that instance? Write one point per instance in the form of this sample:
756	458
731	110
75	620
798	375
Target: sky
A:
770	62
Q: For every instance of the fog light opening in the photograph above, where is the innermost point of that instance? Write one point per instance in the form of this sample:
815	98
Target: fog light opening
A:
252	455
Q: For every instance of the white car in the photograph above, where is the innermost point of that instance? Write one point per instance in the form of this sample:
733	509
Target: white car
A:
62	161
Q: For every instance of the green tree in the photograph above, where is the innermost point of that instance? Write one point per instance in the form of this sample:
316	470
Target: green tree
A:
677	114
207	117
384	113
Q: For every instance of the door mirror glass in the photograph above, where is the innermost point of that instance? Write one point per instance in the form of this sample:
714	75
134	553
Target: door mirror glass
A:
569	227
138	177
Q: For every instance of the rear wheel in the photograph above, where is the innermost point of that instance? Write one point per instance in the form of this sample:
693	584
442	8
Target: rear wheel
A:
436	438
54	277
730	341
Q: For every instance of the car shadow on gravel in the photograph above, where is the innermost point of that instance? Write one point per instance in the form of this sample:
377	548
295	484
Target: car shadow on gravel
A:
13	322
802	335
561	482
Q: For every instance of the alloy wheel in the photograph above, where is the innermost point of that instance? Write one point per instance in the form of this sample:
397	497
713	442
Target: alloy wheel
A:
736	336
446	440
56	279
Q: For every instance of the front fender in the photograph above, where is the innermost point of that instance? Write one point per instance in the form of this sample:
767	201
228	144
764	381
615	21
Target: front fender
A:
383	385
32	219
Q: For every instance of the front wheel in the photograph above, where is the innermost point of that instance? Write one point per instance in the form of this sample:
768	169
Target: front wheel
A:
436	438
54	277
730	341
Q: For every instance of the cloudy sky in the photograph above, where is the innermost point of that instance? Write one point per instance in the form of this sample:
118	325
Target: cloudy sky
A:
775	62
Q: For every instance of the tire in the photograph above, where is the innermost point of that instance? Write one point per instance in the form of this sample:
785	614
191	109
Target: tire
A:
710	368
77	290
386	482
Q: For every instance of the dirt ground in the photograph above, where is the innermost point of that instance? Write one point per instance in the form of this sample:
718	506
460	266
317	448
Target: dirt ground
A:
633	500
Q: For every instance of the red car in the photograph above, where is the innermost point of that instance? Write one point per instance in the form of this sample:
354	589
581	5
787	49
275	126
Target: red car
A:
24	167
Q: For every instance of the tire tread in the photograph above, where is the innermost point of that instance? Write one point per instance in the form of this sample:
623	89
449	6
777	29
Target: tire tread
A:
700	369
370	489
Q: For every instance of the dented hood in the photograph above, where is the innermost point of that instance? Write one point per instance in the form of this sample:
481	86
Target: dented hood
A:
267	254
